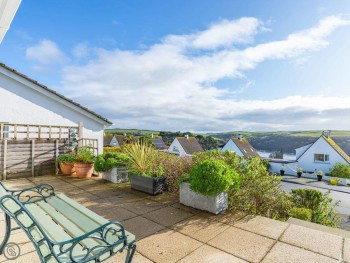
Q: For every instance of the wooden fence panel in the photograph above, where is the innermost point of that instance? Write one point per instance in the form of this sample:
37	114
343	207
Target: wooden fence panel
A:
26	158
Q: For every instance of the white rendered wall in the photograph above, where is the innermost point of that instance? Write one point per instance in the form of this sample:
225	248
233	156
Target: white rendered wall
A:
230	145
177	144
289	168
301	150
23	105
307	163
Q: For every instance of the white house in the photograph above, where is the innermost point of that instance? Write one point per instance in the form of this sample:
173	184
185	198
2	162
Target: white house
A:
241	146
8	9
320	155
25	101
185	146
113	140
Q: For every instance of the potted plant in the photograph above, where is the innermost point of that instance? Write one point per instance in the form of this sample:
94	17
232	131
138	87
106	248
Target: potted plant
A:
147	174
319	175
84	162
341	172
207	186
299	172
282	170
66	163
112	165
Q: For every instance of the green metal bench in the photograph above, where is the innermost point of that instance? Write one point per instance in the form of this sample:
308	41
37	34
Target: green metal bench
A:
61	229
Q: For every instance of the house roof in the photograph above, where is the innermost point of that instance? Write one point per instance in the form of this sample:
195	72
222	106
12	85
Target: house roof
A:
107	139
333	144
54	92
190	145
245	147
120	139
7	12
159	143
336	148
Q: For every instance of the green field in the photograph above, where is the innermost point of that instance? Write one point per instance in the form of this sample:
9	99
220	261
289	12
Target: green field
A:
132	131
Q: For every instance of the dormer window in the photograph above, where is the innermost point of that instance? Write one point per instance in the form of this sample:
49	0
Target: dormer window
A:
175	149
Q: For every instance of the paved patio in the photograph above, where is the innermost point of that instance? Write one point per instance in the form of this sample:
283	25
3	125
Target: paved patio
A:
169	232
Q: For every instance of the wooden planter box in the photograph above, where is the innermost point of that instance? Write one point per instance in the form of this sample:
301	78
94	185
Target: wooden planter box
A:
212	204
116	175
152	186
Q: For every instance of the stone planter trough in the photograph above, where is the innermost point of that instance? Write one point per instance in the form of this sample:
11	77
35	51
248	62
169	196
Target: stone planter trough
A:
212	204
116	175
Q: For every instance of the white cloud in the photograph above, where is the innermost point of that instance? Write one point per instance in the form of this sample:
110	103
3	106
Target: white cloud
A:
81	50
171	85
45	52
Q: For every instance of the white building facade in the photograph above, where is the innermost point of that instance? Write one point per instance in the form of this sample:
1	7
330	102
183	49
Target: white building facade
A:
24	101
176	148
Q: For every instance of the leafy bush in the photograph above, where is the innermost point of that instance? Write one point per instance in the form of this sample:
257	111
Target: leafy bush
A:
334	181
323	210
213	176
340	170
260	193
176	168
107	149
67	157
301	213
84	155
109	160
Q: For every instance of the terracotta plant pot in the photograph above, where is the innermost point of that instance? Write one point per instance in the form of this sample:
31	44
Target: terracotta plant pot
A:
66	168
84	170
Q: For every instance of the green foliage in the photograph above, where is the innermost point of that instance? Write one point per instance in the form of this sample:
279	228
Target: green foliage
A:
334	181
84	155
176	169
301	213
340	170
107	149
67	157
213	176
260	193
323	210
109	160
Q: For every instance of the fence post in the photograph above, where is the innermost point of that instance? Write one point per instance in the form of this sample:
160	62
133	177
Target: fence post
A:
1	131
56	155
4	175
80	130
33	158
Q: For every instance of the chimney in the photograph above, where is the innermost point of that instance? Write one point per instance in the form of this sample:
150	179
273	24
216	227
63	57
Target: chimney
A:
326	133
240	137
186	136
124	134
152	135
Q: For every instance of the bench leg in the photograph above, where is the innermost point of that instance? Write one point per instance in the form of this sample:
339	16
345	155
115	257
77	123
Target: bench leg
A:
7	233
131	252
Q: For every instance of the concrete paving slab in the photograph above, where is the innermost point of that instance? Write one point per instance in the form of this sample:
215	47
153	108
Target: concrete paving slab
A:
141	227
165	198
284	253
208	254
168	216
346	250
243	244
167	246
262	225
201	229
120	258
226	217
320	242
142	207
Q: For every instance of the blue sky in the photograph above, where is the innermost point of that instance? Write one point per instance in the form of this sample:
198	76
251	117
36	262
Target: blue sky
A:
191	65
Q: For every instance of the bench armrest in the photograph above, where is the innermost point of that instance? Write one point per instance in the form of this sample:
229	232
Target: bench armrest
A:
107	236
31	194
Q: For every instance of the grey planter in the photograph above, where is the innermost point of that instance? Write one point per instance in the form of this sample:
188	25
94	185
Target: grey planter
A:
116	175
212	204
152	186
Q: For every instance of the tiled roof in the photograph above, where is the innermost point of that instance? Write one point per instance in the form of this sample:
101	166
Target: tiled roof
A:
159	143
190	145
120	139
337	148
107	139
245	147
54	92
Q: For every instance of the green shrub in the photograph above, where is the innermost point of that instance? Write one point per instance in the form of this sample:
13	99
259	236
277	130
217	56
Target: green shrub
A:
323	210
85	155
176	168
301	213
340	170
213	176
66	157
109	160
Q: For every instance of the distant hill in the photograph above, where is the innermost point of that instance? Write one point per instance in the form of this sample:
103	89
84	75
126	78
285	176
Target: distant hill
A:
286	141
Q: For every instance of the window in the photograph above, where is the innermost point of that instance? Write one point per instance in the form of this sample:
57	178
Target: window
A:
175	149
321	157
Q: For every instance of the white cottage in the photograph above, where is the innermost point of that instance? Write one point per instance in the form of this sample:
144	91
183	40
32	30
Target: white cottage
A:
241	146
320	155
185	146
25	101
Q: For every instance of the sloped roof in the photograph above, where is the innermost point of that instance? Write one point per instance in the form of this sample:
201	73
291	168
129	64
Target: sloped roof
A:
245	147
120	139
107	139
336	147
159	143
54	92
190	145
